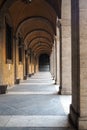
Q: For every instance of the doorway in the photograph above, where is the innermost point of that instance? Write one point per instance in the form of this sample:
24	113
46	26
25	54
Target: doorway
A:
44	62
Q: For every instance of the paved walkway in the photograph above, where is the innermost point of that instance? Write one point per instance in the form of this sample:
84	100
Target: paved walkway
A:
34	105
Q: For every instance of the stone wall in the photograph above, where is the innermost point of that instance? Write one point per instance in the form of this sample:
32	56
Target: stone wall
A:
7	69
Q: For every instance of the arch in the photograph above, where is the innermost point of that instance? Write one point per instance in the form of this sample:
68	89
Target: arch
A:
42	52
39	30
40	37
25	10
37	40
36	19
43	45
56	5
42	48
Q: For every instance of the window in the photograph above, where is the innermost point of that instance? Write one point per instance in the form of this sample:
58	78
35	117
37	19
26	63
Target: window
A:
9	44
20	49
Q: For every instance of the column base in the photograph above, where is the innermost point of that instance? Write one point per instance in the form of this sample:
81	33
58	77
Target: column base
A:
17	81
59	90
73	117
56	82
25	77
3	89
29	75
78	122
32	73
63	91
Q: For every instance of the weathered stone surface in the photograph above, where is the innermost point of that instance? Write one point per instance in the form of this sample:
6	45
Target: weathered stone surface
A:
66	47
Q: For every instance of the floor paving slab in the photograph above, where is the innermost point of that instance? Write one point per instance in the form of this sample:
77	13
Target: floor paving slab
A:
34	104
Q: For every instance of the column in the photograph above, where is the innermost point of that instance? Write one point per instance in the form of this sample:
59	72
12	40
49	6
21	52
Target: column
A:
51	63
54	60
15	63
78	109
57	47
1	49
66	48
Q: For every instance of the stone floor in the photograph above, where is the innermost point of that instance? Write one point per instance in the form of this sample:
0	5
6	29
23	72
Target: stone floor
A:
34	105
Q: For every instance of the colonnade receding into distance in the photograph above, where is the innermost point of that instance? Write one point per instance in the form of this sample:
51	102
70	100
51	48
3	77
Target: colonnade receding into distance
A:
66	40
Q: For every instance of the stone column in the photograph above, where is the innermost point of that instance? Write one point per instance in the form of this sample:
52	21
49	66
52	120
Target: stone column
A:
32	63
78	110
29	66
23	61
66	48
15	62
54	61
35	63
1	49
57	47
51	63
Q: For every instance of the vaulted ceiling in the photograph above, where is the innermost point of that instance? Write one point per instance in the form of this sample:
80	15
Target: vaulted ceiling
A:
35	21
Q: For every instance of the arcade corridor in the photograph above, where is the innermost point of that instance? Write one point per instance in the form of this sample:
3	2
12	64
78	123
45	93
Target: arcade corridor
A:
30	31
34	105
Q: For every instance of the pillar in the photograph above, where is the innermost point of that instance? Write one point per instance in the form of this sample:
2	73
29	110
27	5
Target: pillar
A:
78	109
29	66
35	63
66	82
1	49
57	47
15	62
54	60
51	63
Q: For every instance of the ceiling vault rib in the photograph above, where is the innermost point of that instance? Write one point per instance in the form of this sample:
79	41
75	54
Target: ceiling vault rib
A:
41	18
40	30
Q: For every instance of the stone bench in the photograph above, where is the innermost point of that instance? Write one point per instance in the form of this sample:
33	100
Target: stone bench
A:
3	89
